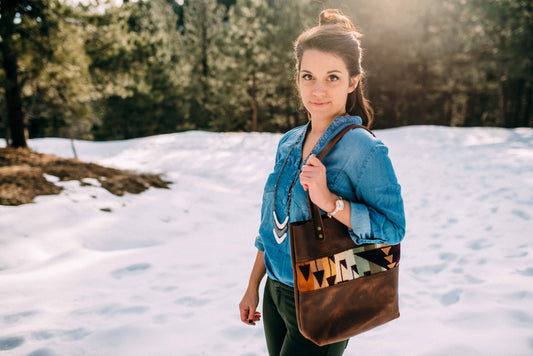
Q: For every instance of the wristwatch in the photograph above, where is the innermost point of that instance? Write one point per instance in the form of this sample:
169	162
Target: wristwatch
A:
339	205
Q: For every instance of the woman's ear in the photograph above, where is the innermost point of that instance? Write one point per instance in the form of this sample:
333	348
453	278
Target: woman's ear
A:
354	82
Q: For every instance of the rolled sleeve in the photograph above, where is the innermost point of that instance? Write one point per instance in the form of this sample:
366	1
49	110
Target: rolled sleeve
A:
259	244
360	220
378	214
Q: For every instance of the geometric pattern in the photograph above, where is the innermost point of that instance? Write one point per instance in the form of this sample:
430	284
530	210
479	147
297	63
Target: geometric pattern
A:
363	260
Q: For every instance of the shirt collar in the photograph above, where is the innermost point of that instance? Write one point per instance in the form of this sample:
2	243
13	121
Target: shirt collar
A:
339	123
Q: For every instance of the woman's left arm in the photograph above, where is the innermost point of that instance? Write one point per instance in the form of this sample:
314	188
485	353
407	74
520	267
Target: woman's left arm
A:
377	215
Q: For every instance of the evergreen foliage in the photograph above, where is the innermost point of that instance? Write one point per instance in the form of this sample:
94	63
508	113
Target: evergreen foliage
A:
147	67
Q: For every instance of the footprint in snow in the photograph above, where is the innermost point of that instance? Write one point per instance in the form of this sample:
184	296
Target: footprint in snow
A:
517	254
15	318
42	335
479	244
447	256
69	335
10	343
520	295
130	270
75	334
42	352
527	272
165	289
450	222
521	214
430	269
451	297
473	280
192	302
520	317
107	310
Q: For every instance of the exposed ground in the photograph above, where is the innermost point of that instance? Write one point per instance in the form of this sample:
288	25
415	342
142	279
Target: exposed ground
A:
22	176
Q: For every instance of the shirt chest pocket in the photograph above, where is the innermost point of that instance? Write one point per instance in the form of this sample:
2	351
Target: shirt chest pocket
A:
271	182
340	183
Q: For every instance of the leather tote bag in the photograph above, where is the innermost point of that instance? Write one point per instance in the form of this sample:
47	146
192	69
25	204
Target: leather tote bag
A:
341	289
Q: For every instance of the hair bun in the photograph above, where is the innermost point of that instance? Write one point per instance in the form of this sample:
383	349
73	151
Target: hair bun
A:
335	17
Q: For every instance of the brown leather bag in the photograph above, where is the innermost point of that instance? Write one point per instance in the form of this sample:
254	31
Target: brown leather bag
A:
341	289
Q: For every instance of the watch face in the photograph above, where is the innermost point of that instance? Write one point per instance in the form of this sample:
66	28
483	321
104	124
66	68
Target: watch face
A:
340	204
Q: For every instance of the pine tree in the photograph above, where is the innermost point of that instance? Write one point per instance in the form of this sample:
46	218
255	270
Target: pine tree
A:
58	100
24	27
200	48
286	21
136	67
259	70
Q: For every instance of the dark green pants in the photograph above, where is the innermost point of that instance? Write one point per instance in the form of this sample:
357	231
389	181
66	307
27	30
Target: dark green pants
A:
281	327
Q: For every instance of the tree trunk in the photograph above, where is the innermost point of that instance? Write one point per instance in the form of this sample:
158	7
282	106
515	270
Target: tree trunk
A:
253	96
291	119
501	103
528	114
15	116
516	91
203	120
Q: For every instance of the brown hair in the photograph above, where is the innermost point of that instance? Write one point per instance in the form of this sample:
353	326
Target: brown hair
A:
336	34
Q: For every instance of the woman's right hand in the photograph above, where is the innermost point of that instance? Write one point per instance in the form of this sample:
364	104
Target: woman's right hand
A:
248	305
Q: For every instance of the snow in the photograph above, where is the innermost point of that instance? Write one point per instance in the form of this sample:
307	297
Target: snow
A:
162	272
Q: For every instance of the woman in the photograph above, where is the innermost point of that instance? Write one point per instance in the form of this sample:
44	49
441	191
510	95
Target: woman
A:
355	182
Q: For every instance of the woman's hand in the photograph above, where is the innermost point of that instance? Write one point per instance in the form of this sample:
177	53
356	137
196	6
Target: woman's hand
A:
250	300
248	305
313	180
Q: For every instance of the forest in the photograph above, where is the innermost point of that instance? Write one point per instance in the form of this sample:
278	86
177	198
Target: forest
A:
102	70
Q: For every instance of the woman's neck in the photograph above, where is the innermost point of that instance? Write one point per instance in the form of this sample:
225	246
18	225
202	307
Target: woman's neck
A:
319	126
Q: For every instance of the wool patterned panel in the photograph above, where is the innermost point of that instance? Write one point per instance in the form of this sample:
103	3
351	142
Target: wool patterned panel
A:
363	260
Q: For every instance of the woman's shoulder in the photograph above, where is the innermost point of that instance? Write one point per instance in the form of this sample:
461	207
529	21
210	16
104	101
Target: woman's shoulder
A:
362	139
291	136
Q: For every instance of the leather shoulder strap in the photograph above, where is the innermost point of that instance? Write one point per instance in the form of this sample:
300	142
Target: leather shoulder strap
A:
313	209
337	137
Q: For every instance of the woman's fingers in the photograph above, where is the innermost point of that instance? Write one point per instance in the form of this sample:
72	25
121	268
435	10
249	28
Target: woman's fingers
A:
313	172
314	161
257	317
313	179
251	317
247	310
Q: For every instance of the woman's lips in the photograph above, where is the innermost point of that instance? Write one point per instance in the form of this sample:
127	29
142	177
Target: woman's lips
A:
318	104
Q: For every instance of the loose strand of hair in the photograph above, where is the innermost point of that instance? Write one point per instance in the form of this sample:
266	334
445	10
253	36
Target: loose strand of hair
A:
361	106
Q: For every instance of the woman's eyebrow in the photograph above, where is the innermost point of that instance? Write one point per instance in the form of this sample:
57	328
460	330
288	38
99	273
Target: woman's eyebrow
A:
329	72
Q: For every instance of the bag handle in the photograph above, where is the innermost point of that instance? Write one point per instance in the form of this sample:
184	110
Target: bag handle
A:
315	210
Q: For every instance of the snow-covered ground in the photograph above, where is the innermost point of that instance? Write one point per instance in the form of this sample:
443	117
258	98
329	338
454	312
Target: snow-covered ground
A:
163	272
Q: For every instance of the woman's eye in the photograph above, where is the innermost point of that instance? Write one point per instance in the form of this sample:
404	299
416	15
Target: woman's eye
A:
333	78
307	77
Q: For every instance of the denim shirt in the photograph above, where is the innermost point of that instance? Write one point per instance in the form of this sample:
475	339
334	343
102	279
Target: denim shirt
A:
358	169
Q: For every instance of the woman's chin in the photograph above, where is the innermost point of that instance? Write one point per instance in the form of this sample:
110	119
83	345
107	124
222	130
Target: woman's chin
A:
323	113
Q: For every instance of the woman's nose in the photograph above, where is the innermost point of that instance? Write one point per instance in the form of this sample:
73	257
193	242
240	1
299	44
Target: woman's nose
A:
318	89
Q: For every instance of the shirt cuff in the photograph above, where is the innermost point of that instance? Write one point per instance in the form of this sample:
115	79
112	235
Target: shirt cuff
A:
360	220
259	244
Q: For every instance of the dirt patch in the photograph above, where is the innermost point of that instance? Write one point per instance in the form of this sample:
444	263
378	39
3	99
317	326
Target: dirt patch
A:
22	176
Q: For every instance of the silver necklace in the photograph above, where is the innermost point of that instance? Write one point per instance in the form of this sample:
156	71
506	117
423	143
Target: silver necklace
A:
280	229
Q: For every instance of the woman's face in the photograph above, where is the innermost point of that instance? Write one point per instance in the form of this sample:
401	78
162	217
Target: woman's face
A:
324	83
